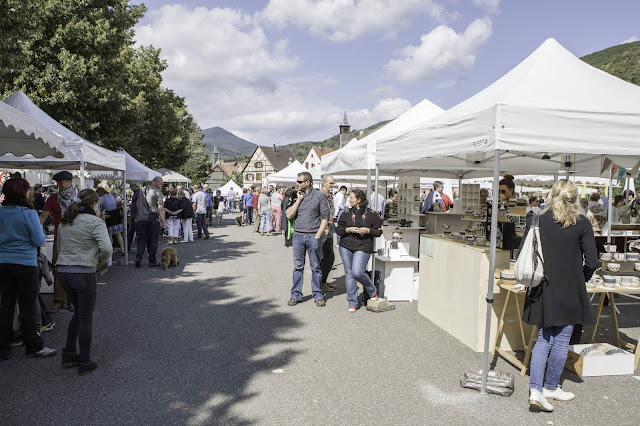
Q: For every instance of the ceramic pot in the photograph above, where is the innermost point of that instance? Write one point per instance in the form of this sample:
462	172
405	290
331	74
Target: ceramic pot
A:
619	257
606	256
613	267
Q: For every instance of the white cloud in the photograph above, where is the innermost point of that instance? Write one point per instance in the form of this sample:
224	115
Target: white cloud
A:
490	5
343	20
631	39
440	49
450	83
232	76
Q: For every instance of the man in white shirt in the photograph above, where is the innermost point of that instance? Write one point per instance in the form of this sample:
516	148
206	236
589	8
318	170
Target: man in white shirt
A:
186	193
376	203
199	201
231	197
340	202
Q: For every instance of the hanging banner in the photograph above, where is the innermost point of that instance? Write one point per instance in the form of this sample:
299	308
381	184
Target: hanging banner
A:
622	173
605	165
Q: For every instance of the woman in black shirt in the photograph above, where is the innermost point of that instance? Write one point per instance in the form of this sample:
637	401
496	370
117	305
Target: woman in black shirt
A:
357	227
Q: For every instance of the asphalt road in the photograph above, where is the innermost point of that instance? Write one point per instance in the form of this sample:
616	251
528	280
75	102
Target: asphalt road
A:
212	342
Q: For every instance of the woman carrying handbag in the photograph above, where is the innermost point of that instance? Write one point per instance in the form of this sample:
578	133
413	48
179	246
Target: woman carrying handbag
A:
560	301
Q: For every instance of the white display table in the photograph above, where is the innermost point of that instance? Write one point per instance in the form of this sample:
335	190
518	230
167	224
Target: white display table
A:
396	277
410	234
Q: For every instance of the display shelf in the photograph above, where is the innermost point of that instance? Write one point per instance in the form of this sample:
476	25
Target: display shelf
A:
409	198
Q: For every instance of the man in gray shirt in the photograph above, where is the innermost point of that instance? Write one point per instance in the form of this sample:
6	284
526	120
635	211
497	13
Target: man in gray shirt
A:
311	212
150	219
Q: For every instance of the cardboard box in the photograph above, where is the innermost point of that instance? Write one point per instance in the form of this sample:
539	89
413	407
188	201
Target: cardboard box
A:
608	365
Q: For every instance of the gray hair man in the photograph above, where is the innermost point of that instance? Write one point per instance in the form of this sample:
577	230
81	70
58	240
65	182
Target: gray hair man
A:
150	219
327	256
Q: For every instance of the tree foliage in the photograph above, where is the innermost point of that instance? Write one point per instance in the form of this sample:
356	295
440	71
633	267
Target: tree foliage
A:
79	65
622	60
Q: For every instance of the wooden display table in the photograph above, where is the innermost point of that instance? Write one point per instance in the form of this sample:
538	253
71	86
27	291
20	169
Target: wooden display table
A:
528	344
453	291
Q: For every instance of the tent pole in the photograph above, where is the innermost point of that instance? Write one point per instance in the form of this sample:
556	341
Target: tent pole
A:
492	265
375	204
124	215
82	176
610	209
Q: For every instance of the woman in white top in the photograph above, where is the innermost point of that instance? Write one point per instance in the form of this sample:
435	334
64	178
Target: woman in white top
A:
264	207
276	208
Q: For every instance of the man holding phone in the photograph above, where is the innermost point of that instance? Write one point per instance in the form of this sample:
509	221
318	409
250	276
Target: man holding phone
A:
311	212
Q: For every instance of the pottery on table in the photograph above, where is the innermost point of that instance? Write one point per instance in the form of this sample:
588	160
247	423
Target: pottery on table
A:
637	267
481	240
633	256
619	257
613	267
630	281
606	256
610	280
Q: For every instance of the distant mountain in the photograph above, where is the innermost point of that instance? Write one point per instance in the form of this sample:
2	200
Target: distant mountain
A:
229	145
622	60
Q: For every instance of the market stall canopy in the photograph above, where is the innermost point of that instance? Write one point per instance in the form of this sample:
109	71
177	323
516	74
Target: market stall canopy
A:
224	190
136	171
360	155
21	134
290	174
75	148
547	180
171	176
550	105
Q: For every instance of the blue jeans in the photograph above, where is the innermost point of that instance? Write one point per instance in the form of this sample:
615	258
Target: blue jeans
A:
555	340
82	290
265	221
201	224
306	244
354	263
248	219
149	232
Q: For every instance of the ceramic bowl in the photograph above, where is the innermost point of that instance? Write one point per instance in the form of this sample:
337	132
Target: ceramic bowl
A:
609	281
508	275
613	267
606	256
630	281
590	284
633	256
619	257
637	267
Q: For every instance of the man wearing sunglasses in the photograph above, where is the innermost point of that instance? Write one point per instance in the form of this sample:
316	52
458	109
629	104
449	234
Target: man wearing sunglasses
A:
311	213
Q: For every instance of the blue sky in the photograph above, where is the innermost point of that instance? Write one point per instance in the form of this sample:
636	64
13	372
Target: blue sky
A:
282	71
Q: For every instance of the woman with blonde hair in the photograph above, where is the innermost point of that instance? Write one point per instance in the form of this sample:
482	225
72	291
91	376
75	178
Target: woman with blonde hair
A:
560	301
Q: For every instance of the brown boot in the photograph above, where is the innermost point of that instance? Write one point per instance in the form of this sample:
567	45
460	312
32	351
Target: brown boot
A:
56	307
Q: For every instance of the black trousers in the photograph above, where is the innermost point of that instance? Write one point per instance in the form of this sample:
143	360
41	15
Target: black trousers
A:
81	289
327	257
149	233
21	283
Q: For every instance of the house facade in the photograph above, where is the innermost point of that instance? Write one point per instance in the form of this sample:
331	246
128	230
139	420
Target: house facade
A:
314	157
264	162
221	173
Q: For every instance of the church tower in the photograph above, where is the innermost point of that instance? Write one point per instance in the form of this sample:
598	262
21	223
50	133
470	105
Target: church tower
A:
344	131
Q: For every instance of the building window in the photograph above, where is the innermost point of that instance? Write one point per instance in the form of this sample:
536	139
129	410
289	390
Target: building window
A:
249	177
313	165
258	164
258	176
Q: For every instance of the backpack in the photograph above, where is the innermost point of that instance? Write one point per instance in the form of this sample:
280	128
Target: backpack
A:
529	267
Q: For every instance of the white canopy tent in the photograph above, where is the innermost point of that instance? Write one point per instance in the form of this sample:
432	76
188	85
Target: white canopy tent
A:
224	190
549	105
290	174
21	134
136	171
78	152
360	155
173	177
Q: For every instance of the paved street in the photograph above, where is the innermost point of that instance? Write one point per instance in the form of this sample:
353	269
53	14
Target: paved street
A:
213	342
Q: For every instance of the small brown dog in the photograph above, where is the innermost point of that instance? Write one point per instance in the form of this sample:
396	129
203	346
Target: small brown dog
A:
169	257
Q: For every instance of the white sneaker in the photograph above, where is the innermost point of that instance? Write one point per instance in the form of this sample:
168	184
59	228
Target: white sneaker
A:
537	400
558	394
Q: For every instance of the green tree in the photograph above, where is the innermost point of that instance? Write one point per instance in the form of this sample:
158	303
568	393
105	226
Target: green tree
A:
237	177
79	65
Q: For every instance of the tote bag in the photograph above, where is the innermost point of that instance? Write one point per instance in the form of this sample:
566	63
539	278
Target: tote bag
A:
529	267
